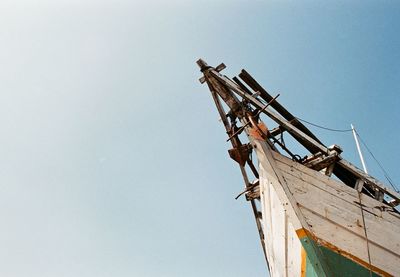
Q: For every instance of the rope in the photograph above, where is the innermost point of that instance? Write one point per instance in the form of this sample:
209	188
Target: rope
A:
366	236
325	128
379	164
365	145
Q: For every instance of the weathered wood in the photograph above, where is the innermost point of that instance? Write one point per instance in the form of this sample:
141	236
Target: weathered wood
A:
371	180
251	82
333	212
304	138
276	131
359	185
329	170
283	246
322	161
273	183
236	143
298	197
220	67
241	85
341	172
329	185
230	99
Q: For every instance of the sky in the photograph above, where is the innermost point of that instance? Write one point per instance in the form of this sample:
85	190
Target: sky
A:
112	158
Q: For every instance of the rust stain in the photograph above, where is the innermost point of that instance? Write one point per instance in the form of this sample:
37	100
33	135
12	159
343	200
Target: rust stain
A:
259	132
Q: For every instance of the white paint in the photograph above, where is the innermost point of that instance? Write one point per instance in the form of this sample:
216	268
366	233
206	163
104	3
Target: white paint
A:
279	222
294	196
359	149
333	214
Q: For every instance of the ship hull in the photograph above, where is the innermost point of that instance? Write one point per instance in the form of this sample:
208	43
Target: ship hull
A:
338	262
315	226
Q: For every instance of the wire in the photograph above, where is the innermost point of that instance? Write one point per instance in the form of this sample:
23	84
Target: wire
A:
325	128
379	164
365	145
366	235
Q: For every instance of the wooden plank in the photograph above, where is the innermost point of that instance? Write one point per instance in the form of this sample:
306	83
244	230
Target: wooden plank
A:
370	179
305	139
251	82
223	87
242	86
344	170
236	143
299	170
265	196
270	174
290	201
349	166
331	186
283	245
340	224
337	224
344	212
295	250
346	242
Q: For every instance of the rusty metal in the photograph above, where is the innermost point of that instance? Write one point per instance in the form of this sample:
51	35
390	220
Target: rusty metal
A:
240	154
240	130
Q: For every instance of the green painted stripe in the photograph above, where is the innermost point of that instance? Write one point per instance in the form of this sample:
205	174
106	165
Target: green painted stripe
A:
322	261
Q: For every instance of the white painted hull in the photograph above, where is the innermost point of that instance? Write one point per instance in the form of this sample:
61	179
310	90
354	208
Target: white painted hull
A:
298	201
311	225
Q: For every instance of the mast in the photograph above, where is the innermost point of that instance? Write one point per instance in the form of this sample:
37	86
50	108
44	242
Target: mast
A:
358	148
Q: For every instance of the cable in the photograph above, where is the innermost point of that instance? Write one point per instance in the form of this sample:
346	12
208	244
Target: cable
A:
322	127
366	235
365	145
379	164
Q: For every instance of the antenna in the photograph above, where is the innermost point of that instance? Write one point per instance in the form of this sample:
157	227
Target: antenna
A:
358	148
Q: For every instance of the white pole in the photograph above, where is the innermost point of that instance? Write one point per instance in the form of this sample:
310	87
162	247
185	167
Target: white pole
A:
359	149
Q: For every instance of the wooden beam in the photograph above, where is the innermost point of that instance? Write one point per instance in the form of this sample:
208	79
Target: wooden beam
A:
251	82
338	170
369	179
303	138
299	135
347	172
235	143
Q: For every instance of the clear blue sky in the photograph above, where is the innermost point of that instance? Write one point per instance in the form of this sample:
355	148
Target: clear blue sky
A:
113	162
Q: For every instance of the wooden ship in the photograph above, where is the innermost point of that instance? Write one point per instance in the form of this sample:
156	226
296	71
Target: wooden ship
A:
318	215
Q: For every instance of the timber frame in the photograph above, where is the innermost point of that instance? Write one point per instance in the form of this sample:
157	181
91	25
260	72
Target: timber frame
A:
246	100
